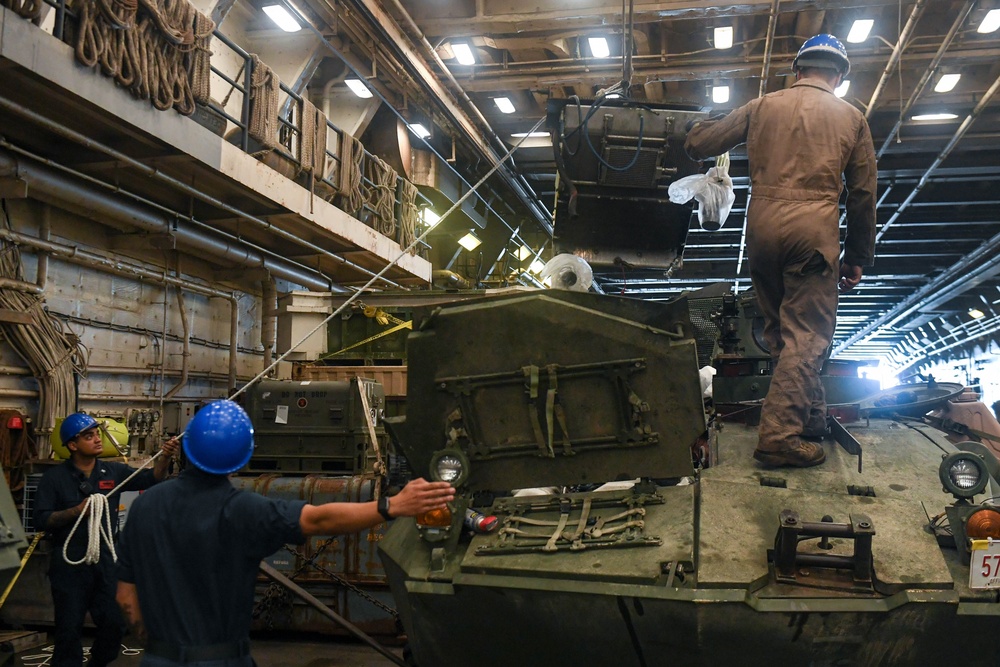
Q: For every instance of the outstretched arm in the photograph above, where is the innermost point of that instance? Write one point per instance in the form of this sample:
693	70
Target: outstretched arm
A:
128	599
417	497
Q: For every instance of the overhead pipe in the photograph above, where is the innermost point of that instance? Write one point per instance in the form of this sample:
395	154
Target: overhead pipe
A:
177	221
959	133
897	52
42	258
77	255
102	207
20	286
928	73
152	172
120	370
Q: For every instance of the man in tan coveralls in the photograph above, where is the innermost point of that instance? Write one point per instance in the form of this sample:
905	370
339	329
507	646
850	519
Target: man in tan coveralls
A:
800	142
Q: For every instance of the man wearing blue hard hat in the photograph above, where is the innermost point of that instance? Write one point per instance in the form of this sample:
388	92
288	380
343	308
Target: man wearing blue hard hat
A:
61	506
191	548
804	146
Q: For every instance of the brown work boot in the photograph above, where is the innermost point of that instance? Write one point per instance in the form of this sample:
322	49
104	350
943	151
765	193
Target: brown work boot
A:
803	455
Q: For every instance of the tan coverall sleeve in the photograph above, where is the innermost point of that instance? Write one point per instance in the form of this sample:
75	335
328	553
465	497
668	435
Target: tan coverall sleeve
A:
861	178
709	138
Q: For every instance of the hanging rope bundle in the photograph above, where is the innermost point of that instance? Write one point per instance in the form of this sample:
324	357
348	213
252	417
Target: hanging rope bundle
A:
156	49
408	214
52	353
381	196
351	154
15	449
264	86
312	147
29	9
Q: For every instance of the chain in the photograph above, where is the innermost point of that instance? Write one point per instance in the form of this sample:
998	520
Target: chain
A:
340	580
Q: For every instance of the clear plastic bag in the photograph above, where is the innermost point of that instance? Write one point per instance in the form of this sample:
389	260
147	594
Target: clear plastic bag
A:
712	190
569	272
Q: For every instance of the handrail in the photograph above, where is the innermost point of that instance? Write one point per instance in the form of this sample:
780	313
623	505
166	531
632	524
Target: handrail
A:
289	125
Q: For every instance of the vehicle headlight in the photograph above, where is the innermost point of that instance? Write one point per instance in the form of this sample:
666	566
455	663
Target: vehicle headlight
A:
963	474
449	465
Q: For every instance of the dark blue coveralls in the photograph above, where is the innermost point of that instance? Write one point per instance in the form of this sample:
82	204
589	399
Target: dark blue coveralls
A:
192	546
77	589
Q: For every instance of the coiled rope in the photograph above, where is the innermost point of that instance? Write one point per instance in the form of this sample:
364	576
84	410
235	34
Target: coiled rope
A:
29	9
156	49
349	173
381	195
263	121
98	514
408	214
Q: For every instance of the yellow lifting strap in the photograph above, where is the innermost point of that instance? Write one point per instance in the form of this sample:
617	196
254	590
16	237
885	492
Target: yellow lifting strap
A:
379	316
24	561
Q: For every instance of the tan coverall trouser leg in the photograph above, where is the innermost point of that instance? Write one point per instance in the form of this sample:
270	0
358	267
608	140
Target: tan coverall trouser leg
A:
793	260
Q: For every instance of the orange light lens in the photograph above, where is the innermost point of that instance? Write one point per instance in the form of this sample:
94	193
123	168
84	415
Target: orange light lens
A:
439	518
982	524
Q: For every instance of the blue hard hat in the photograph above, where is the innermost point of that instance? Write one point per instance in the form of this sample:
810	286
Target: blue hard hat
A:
74	425
219	438
823	51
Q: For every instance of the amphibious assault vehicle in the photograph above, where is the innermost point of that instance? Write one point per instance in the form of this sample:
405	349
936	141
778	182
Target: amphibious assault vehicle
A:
634	528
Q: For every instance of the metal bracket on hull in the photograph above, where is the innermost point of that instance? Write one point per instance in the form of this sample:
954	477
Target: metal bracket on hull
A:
791	530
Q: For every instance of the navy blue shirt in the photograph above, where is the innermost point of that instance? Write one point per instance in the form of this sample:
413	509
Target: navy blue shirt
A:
65	486
192	546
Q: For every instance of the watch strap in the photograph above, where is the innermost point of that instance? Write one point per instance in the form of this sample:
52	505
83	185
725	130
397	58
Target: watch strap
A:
383	507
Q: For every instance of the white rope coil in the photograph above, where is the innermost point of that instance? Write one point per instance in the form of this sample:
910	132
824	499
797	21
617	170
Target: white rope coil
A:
99	523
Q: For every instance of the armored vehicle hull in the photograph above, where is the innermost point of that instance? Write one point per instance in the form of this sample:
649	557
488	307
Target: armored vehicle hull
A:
701	555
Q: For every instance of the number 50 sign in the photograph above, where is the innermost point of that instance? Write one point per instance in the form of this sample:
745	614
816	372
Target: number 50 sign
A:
984	568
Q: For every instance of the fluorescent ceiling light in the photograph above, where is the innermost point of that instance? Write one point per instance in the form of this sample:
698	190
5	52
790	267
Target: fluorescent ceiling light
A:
358	88
420	130
612	96
504	104
470	241
990	22
463	52
935	116
859	31
976	314
947	83
841	90
282	18
720	94
524	252
430	217
724	37
530	135
537	266
599	47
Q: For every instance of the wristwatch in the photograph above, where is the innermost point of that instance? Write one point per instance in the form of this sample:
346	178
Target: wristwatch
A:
383	508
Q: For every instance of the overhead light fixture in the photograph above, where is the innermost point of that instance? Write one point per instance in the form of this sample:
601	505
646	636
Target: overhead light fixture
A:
934	116
504	104
358	88
536	266
463	52
990	22
947	83
841	90
976	314
859	31
720	94
420	130
612	96
524	252
599	47
530	135
282	18
724	37
470	241
429	217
